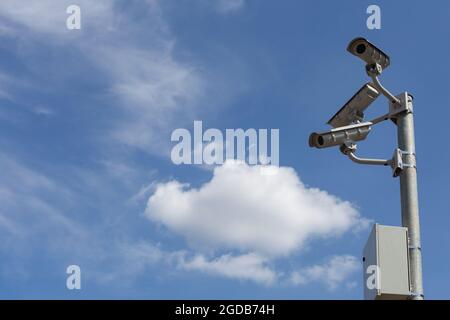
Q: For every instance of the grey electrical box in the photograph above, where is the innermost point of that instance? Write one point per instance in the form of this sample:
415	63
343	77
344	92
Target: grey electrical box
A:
386	267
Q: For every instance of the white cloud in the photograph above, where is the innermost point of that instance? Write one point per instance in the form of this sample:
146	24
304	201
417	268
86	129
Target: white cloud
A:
332	273
243	267
262	216
242	208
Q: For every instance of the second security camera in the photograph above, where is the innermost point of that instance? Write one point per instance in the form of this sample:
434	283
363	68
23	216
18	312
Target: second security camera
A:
353	110
368	52
339	136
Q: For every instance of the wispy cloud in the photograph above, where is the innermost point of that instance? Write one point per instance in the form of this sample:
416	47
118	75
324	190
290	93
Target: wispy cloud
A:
43	111
42	215
242	267
29	206
151	89
230	6
6	82
137	258
155	92
332	273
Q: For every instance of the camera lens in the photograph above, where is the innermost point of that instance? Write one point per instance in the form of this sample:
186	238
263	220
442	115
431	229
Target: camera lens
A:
320	140
360	48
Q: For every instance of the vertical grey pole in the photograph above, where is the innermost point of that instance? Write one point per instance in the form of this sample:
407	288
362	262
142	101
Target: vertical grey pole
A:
409	196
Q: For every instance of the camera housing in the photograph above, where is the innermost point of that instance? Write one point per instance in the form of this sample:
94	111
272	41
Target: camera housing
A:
368	52
339	136
353	110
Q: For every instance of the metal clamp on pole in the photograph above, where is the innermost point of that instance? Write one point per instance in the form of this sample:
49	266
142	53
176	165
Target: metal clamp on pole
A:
405	104
397	163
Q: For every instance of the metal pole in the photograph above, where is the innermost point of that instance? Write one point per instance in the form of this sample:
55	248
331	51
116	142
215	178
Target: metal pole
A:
409	196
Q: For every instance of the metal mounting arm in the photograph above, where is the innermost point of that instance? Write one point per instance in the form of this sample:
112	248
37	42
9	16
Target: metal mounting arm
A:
349	150
356	159
374	70
380	119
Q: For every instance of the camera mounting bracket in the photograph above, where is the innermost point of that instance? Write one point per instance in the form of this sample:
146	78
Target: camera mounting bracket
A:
405	105
398	164
373	71
349	149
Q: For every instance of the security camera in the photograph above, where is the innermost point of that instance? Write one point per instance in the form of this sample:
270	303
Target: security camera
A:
339	136
353	110
368	52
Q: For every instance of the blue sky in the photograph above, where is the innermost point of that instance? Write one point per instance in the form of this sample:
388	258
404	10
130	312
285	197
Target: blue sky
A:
85	123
